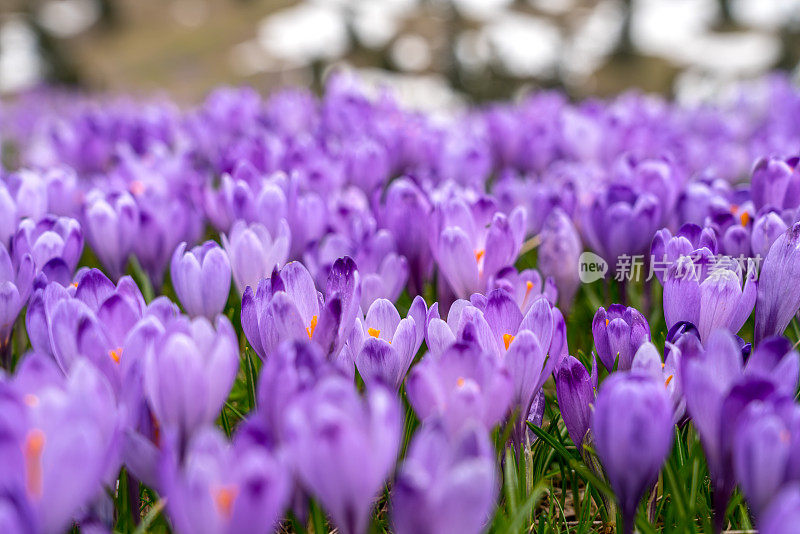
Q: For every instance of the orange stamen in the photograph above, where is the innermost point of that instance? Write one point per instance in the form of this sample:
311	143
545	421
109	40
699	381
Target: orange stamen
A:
606	321
479	254
223	500
75	284
374	332
507	339
32	451
744	218
669	379
460	382
115	354
310	329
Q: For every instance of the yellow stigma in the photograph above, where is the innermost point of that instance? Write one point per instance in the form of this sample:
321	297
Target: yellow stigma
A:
669	379
75	284
479	254
310	329
32	452
745	218
606	321
374	332
507	339
460	382
223	500
115	354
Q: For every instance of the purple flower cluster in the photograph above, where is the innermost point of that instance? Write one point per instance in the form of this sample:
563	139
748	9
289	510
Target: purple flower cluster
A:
272	311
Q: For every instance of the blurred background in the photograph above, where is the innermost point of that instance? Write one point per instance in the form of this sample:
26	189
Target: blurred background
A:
434	52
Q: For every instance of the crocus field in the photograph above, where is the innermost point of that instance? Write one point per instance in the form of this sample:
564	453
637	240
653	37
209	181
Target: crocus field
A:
299	314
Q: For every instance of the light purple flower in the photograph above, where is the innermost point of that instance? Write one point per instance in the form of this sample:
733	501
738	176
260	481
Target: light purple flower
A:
287	306
222	488
621	222
709	293
54	243
558	255
576	390
767	228
446	484
344	447
111	225
778	300
618	333
471	244
201	278
189	372
632	428
60	440
384	345
254	252
775	183
462	384
783	513
15	287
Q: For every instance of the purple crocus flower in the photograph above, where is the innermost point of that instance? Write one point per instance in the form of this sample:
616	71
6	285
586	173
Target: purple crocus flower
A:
525	287
783	513
618	334
775	183
111	225
254	252
406	213
29	191
222	488
767	228
291	370
764	446
164	222
54	243
446	484
384	345
59	441
287	306
621	222
110	325
558	255
472	245
344	447
462	384
666	248
632	428
8	215
733	230
709	293
201	278
189	373
778	301
244	195
647	361
495	326
15	287
576	389
713	377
